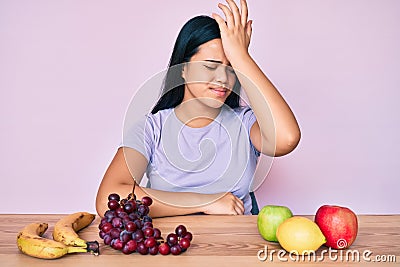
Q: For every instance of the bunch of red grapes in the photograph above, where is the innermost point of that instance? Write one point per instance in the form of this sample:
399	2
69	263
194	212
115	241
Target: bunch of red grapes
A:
127	226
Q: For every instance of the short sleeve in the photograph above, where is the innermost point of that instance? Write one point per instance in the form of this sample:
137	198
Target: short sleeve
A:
139	135
248	119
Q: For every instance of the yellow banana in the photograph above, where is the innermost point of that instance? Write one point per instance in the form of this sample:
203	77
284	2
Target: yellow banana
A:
31	242
65	230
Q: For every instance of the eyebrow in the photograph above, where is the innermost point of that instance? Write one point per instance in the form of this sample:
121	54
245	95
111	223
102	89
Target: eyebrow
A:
217	61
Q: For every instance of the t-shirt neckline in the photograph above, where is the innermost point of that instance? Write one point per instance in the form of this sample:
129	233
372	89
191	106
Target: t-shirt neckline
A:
211	124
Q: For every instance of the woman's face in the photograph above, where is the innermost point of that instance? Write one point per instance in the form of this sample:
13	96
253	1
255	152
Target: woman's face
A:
209	79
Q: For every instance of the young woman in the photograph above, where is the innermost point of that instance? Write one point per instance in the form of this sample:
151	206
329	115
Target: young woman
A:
199	146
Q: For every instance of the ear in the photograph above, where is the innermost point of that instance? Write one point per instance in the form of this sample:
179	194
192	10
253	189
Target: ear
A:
184	70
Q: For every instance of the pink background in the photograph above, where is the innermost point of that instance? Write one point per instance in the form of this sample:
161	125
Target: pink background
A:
68	70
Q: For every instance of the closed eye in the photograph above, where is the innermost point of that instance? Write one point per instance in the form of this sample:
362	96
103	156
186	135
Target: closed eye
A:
210	67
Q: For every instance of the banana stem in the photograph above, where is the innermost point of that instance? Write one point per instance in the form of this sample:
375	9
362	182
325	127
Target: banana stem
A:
93	247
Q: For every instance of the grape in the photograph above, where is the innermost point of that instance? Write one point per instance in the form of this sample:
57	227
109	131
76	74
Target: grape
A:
117	222
153	250
133	203
107	239
180	230
130	227
133	216
126	250
109	214
147	224
147	218
184	243
128	207
129	247
148	232
127	226
147	201
114	233
138	235
114	196
122	214
125	236
119	210
102	222
157	233
132	245
106	228
126	219
172	239
138	223
164	249
189	236
143	210
113	204
102	234
141	248
150	242
123	201
176	250
117	244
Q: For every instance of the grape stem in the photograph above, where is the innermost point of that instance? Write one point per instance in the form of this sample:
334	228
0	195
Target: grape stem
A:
134	185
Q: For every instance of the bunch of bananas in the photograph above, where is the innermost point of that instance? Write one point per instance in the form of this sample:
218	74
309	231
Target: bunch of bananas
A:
66	239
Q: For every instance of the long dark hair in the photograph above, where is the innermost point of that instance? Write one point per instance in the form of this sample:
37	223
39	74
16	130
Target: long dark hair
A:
194	33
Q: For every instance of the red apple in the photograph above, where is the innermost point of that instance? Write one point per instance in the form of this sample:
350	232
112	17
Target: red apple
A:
338	224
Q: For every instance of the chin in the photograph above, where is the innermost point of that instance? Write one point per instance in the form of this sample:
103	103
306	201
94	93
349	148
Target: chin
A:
213	103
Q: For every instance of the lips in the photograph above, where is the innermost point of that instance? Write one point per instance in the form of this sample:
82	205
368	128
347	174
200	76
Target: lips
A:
219	91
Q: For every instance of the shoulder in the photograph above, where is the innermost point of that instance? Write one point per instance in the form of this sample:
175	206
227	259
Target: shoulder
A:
157	119
147	123
243	112
242	109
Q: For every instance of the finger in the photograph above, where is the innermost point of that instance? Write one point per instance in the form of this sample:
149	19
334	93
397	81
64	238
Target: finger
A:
220	21
233	211
241	207
235	11
249	28
245	12
239	210
230	21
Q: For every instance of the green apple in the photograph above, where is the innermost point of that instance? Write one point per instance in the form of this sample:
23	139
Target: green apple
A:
269	218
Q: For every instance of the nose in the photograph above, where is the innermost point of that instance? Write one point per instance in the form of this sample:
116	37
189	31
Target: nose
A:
221	74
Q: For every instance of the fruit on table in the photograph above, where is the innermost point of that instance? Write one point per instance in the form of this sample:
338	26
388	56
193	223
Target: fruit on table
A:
300	235
269	218
31	242
127	226
338	224
65	230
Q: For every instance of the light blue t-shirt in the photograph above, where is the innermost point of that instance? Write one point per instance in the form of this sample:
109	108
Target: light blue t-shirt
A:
213	159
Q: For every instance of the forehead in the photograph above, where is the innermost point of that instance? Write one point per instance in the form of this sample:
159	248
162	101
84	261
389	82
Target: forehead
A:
211	50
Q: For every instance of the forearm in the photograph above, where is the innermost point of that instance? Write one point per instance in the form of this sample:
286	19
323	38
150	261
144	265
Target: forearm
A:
118	179
278	125
164	203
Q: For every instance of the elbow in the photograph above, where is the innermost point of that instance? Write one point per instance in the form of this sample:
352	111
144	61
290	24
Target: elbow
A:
100	210
288	143
101	206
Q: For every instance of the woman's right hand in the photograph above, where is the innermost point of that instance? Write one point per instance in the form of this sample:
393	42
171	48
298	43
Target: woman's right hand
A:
226	203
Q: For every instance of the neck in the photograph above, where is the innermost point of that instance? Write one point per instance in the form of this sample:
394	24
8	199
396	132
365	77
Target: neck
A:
196	115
